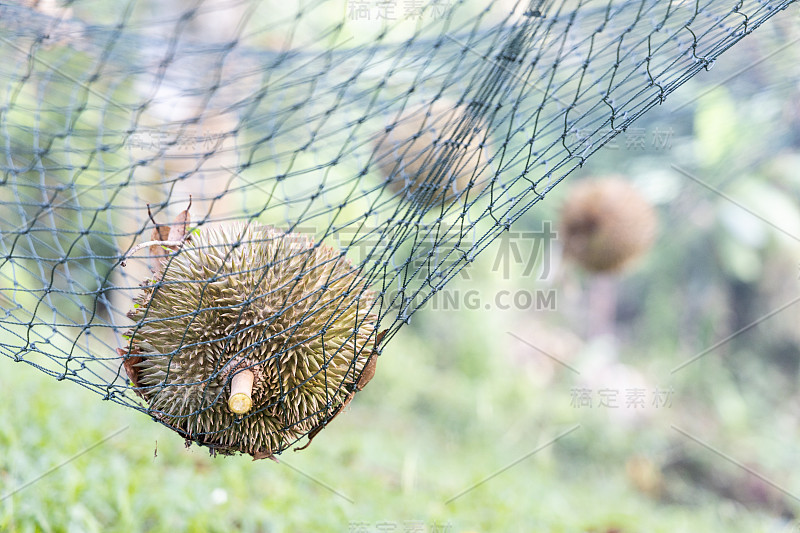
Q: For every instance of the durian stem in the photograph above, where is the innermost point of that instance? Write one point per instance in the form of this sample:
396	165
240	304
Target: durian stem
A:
240	400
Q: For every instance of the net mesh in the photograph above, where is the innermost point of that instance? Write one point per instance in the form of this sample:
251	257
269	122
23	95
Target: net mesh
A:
405	135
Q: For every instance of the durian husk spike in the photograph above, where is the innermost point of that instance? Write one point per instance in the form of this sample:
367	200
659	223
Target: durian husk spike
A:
241	399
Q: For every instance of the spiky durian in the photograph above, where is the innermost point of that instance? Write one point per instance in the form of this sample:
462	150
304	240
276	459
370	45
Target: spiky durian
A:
433	153
606	224
295	313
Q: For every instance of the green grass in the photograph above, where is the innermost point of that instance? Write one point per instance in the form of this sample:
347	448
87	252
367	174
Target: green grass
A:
444	412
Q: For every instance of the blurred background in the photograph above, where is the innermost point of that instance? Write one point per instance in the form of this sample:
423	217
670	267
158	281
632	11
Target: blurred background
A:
531	394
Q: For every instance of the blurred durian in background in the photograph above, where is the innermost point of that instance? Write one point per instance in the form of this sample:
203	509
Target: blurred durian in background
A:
606	224
434	153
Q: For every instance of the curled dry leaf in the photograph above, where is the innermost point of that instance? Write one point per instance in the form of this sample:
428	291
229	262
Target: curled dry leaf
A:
264	455
162	236
159	233
369	371
129	361
160	243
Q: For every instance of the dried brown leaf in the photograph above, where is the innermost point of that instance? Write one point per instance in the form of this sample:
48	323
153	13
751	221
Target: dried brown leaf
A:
157	252
177	232
369	371
129	361
260	454
379	338
181	225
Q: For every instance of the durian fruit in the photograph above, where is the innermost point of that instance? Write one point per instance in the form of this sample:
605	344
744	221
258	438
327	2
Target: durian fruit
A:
606	224
249	337
433	153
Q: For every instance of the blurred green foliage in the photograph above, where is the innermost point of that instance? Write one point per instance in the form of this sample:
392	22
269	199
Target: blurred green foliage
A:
460	401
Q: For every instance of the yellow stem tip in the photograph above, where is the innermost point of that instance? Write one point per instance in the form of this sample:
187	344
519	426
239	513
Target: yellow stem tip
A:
240	400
